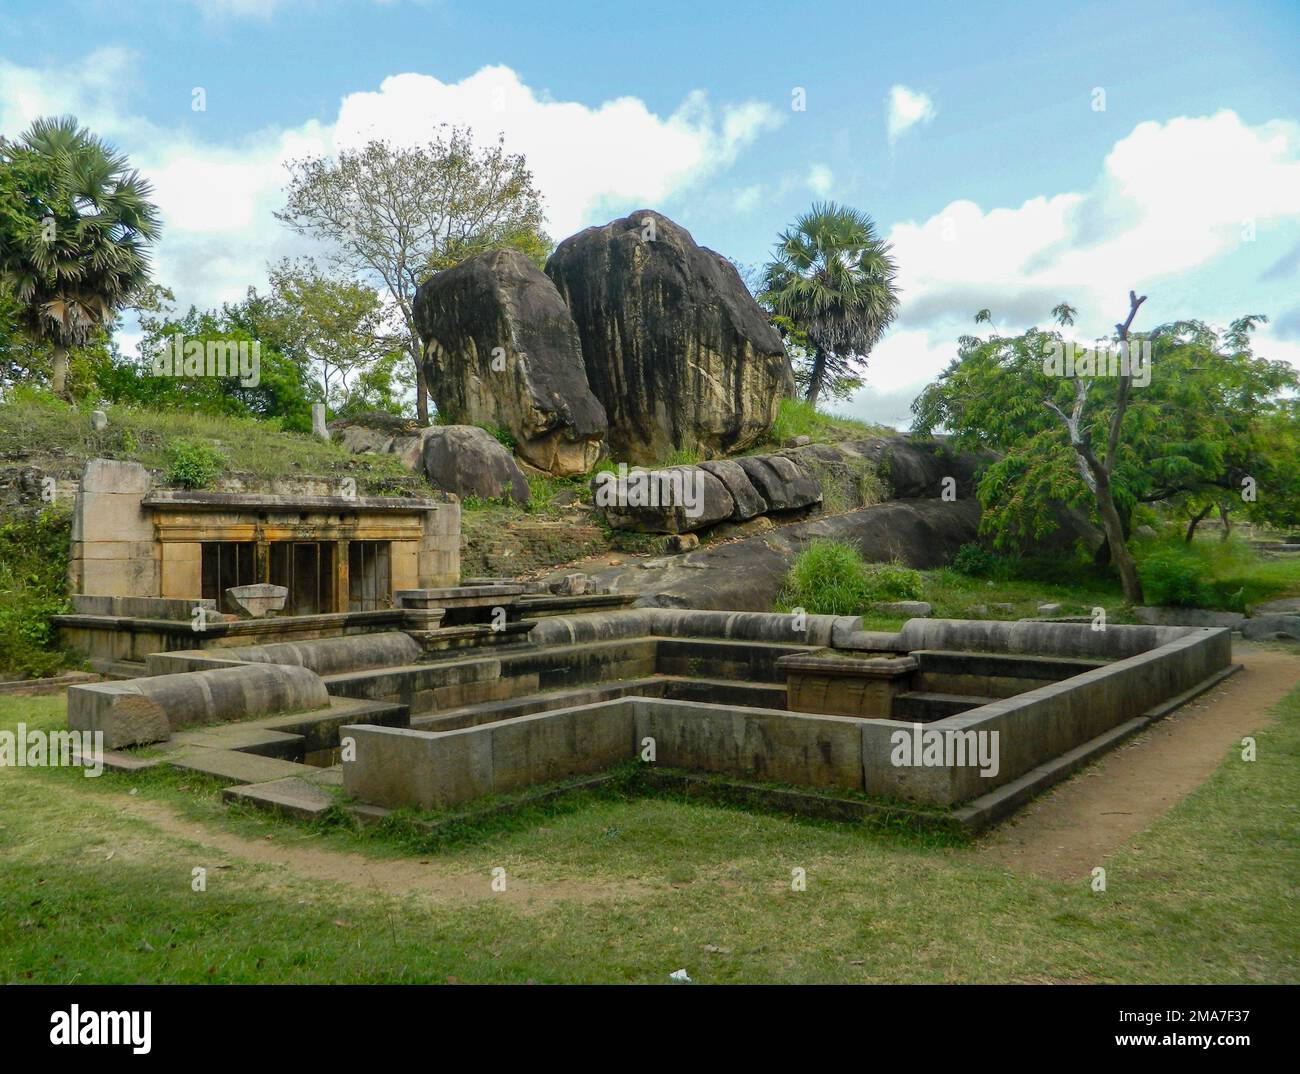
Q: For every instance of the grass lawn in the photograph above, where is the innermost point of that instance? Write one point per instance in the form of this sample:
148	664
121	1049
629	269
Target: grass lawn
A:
93	890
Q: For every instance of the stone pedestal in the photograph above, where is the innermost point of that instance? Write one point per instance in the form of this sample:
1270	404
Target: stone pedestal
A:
835	684
463	605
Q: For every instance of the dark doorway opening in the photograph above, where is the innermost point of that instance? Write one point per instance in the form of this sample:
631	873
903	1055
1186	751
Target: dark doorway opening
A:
370	576
306	569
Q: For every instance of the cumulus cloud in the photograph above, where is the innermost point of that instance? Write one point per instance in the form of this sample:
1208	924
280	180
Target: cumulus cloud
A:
820	180
1171	197
1172	200
907	108
587	161
217	197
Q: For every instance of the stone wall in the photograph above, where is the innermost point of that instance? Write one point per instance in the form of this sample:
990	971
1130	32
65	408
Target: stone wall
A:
114	552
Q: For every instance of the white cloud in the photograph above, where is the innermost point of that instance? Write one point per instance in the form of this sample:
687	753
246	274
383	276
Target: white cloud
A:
217	197
907	108
1171	202
820	180
587	161
1171	197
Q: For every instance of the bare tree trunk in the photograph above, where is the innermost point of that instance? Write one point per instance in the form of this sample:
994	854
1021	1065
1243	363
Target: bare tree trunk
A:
816	377
421	398
1114	527
1096	472
1227	522
1191	526
59	374
421	387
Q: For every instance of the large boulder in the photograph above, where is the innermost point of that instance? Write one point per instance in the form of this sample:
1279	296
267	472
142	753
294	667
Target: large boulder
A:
470	461
747	574
782	484
500	349
680	499
676	348
747	499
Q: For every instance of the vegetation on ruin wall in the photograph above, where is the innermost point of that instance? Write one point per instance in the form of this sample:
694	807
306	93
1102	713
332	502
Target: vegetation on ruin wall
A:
33	586
37	429
613	889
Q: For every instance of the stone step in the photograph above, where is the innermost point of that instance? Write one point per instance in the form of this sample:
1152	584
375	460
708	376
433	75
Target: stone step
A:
232	766
292	797
548	701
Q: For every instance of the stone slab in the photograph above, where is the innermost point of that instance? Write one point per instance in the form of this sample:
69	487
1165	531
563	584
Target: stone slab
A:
291	797
232	766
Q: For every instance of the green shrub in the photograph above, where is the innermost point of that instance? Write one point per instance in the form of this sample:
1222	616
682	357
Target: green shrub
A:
893	581
1173	577
33	587
831	578
827	578
974	561
192	464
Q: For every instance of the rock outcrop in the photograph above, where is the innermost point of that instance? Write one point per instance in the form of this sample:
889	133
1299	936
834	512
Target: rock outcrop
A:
470	461
747	574
676	499
679	499
500	349
676	349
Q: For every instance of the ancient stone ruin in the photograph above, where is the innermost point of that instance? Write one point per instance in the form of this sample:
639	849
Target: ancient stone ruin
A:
945	723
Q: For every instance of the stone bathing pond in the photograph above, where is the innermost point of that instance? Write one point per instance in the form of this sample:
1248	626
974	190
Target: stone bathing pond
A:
947	722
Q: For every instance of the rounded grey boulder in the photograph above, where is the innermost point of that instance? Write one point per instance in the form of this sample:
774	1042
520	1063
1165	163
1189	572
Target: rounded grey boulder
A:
470	461
501	349
676	349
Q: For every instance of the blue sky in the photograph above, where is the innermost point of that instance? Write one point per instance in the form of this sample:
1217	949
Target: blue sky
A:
1010	188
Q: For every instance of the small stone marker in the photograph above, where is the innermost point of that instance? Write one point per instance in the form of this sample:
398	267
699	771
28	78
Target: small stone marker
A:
98	420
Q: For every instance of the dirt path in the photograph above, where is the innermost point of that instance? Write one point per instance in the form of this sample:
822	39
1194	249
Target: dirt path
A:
1074	828
426	877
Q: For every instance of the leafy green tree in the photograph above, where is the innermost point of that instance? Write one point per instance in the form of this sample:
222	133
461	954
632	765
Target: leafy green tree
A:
831	283
335	328
394	215
1200	425
78	250
283	393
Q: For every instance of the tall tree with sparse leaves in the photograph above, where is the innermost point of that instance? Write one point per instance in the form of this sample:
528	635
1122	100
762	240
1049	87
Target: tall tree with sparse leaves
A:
397	214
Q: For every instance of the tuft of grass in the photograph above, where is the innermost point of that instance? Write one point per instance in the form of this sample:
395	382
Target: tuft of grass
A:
682	457
796	417
831	578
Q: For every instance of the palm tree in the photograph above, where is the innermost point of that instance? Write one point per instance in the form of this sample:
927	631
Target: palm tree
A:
84	254
832	277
